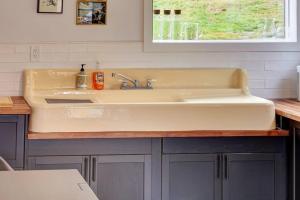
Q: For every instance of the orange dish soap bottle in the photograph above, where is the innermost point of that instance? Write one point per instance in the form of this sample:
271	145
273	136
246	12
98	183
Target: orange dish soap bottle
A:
98	80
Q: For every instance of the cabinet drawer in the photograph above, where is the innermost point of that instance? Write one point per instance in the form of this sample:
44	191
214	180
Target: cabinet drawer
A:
226	145
89	147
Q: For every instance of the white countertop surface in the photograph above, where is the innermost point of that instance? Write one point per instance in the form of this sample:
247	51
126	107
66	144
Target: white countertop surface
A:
44	185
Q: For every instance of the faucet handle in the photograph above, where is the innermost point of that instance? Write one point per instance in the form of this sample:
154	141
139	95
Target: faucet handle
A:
124	85
136	83
150	83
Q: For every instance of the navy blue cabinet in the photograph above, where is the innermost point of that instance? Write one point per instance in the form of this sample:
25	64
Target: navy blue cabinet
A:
121	177
254	176
191	176
12	133
118	169
173	168
232	176
297	162
224	168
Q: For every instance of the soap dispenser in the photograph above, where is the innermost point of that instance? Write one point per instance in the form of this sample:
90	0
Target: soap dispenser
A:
81	79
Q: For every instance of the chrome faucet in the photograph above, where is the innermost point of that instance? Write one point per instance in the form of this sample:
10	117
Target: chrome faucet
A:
135	83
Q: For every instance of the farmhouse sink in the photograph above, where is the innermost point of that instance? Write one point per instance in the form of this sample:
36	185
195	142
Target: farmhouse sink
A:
177	106
132	96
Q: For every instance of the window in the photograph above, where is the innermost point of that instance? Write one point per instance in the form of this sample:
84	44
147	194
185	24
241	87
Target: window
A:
222	21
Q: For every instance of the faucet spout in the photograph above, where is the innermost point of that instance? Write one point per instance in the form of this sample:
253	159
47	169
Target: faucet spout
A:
134	82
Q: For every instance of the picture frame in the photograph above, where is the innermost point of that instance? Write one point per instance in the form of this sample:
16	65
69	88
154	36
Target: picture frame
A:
91	12
50	6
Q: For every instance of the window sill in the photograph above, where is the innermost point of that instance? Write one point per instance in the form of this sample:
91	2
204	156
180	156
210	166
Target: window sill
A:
269	41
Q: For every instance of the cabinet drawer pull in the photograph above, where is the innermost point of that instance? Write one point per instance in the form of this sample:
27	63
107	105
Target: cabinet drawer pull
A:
94	169
86	165
219	166
226	167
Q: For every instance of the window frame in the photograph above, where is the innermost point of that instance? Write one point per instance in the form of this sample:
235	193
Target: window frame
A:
292	20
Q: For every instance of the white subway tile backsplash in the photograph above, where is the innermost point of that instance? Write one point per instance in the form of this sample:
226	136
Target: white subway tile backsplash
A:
256	74
23	49
78	48
14	57
249	65
271	74
280	84
283	74
274	93
11	78
115	47
53	57
83	57
11	93
5	49
12	67
8	86
256	84
54	48
281	65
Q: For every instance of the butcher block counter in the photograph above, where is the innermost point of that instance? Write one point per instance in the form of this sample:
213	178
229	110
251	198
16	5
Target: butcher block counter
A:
18	107
289	108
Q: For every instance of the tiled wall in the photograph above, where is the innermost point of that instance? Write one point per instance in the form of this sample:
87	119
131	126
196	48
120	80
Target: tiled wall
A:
271	74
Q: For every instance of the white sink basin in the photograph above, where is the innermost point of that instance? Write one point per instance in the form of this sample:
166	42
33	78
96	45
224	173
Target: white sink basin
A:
161	109
135	96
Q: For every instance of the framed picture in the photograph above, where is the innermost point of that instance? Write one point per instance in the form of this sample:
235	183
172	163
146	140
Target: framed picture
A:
50	6
91	12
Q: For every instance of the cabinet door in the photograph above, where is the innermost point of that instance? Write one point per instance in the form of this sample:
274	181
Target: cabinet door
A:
191	177
12	131
121	177
254	176
81	163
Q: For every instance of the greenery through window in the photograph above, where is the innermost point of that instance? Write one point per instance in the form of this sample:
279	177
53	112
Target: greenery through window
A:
205	20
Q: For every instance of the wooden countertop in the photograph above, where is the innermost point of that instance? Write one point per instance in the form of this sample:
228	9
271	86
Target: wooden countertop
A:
19	107
157	134
289	108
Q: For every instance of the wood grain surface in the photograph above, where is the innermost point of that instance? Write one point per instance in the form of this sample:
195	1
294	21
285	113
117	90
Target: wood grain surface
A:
20	107
289	108
157	134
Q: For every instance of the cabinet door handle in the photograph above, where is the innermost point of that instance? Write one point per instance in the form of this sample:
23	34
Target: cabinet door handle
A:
219	166
86	165
225	167
94	169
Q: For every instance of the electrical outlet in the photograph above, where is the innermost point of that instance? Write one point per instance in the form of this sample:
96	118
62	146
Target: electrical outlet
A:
35	54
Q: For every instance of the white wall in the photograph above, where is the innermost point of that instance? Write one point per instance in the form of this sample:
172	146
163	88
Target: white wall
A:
21	23
61	43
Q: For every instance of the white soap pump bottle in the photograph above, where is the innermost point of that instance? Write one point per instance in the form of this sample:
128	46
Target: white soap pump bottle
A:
81	79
